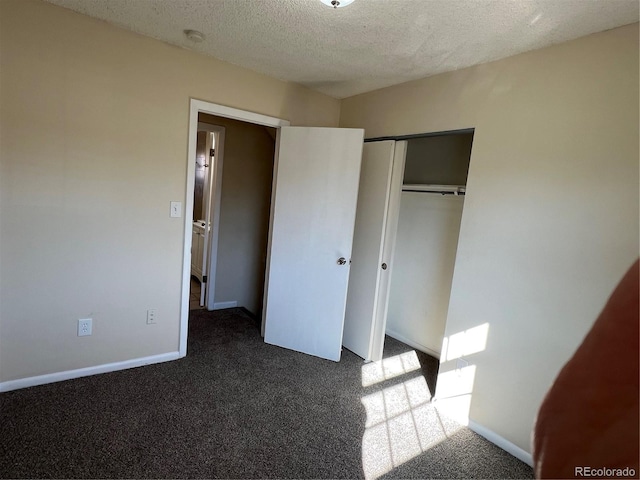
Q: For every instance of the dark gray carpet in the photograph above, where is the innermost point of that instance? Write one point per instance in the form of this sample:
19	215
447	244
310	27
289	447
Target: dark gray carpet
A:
235	407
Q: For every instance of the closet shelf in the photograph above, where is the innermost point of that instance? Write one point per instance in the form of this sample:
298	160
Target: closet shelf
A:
441	189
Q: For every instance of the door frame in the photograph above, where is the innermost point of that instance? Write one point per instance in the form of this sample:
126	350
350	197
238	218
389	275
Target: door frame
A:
195	107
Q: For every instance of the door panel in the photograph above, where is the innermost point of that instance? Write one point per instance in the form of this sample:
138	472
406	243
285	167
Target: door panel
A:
206	198
371	215
388	249
374	237
314	199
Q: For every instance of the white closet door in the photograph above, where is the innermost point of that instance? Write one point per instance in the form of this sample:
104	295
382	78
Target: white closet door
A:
313	213
373	245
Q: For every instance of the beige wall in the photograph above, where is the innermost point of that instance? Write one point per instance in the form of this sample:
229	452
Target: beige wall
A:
550	220
84	219
244	212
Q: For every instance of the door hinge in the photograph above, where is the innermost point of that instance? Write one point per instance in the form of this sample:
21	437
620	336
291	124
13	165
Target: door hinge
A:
204	279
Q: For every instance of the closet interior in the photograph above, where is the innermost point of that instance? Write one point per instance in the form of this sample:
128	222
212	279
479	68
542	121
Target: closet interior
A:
432	198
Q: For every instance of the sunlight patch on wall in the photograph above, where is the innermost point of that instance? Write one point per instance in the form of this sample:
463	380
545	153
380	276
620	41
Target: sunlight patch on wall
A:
455	389
455	386
469	341
376	372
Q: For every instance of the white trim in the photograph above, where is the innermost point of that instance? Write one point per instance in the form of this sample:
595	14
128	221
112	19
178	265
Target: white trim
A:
223	305
502	442
195	107
188	229
411	343
274	178
85	372
236	114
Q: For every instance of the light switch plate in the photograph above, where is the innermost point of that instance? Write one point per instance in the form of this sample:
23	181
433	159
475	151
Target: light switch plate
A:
176	209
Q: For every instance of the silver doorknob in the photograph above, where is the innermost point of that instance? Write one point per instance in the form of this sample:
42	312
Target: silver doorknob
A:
342	261
384	266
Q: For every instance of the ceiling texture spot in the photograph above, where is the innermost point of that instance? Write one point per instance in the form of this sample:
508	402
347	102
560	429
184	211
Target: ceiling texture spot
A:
367	45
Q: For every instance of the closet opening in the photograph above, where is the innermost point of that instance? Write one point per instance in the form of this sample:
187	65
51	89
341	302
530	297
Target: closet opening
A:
431	204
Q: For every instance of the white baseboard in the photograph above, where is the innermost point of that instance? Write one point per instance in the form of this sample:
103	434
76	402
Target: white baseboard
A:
502	442
223	305
411	343
85	372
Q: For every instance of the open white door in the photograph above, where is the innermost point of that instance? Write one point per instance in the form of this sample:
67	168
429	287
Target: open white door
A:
206	198
373	246
313	209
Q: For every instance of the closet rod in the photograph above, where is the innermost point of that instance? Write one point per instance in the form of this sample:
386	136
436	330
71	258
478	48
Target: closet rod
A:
441	189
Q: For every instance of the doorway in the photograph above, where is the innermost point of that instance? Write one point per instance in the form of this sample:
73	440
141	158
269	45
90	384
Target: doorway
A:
238	252
198	108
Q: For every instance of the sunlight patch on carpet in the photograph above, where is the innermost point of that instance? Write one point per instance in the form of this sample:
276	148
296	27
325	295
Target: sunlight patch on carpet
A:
401	422
376	372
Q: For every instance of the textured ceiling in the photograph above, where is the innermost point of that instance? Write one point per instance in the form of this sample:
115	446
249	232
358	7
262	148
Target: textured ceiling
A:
367	45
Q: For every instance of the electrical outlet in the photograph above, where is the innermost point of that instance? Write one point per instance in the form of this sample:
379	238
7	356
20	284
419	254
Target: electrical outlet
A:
151	316
85	327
